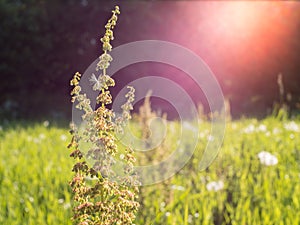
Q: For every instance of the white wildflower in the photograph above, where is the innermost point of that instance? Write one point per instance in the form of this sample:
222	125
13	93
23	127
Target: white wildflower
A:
31	199
292	126
249	129
162	206
178	188
267	158
60	201
262	128
63	137
168	214
215	186
46	123
196	215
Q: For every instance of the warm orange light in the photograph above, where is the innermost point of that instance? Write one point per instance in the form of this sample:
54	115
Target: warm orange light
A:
240	18
251	31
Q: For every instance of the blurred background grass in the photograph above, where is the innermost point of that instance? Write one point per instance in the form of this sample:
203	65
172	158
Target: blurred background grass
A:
236	189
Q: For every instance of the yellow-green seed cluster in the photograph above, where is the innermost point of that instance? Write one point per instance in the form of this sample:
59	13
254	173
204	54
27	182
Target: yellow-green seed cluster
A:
109	198
109	35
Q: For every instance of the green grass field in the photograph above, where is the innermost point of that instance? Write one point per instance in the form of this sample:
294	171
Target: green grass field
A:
35	169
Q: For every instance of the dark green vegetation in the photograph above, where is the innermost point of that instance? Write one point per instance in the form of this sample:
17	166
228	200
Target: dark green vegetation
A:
35	169
43	41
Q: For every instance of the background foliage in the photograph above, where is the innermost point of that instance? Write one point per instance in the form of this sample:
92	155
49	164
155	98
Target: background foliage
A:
44	42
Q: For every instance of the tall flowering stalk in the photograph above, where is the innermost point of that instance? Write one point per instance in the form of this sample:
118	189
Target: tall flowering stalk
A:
101	196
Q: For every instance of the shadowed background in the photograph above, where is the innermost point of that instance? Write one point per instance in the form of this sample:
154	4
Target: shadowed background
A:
246	44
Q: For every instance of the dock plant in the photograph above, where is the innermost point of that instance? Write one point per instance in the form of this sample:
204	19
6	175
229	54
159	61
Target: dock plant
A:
101	194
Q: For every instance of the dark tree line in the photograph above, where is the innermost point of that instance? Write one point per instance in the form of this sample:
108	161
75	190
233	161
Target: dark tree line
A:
43	43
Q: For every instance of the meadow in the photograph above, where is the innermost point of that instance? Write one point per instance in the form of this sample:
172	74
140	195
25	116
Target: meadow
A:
255	178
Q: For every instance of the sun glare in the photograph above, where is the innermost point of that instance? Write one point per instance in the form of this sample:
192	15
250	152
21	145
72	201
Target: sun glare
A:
252	31
240	18
246	21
